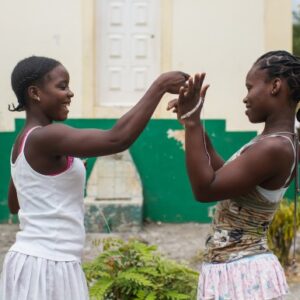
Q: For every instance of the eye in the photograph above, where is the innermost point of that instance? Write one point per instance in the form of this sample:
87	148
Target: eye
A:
63	86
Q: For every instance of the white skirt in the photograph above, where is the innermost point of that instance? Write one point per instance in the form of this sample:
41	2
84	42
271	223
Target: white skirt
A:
26	277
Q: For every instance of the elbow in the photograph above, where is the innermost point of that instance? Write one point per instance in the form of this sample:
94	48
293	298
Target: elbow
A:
203	190
120	142
203	199
121	145
13	210
125	144
13	205
203	196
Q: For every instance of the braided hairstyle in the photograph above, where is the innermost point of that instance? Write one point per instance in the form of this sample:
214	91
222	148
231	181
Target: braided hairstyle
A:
29	71
283	64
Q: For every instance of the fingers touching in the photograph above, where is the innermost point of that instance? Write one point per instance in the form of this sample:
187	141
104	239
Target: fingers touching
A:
173	104
192	89
193	86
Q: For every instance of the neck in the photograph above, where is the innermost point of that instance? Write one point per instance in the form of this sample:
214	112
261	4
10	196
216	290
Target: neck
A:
283	125
36	120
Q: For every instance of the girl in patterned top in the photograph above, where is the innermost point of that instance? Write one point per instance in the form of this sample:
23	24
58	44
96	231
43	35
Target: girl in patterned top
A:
238	264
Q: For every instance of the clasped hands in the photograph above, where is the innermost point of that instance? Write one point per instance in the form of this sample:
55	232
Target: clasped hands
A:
190	101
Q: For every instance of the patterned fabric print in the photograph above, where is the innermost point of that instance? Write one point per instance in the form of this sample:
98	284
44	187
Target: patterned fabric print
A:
257	277
240	225
238	264
239	228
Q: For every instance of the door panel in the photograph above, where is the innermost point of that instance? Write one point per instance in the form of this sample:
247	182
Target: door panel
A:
127	50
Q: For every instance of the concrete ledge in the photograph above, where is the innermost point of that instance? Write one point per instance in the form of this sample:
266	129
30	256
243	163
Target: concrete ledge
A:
112	217
114	201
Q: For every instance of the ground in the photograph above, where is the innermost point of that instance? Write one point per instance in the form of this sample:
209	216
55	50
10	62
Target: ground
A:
182	242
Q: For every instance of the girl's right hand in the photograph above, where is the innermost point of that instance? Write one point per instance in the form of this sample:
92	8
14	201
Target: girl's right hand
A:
188	106
172	81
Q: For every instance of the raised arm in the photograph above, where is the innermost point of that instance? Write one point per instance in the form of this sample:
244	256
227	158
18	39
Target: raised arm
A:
265	163
63	140
215	159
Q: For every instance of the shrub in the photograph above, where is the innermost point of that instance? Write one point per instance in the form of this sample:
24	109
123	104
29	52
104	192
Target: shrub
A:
134	271
281	231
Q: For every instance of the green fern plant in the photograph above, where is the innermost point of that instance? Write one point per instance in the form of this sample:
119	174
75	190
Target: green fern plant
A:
281	231
135	271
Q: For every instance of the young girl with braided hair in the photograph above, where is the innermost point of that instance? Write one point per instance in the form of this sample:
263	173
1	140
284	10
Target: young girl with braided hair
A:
47	185
248	187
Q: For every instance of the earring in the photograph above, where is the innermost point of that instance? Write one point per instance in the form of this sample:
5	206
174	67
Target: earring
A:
37	98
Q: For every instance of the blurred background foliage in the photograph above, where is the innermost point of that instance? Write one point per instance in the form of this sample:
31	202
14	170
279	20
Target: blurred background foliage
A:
296	32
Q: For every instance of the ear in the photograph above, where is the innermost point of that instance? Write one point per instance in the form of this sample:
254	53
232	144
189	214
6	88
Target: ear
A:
33	93
276	86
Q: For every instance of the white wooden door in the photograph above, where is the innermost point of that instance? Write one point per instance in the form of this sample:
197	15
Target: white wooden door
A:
127	49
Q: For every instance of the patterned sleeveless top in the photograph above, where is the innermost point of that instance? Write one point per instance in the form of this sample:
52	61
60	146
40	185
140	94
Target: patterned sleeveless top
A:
239	227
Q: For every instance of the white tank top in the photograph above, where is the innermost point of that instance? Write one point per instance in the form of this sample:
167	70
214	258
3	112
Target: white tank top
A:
51	211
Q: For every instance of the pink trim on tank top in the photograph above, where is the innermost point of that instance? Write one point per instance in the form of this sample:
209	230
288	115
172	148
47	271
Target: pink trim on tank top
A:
70	159
23	141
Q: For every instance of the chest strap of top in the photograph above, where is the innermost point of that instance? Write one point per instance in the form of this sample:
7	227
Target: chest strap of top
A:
21	149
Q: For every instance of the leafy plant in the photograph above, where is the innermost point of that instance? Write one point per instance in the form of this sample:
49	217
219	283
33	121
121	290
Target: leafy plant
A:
281	231
135	271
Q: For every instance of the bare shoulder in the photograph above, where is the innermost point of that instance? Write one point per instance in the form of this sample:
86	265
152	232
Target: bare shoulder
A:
60	139
56	128
50	131
46	137
278	148
279	144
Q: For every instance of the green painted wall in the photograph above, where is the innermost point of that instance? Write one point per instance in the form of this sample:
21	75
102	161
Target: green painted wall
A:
160	162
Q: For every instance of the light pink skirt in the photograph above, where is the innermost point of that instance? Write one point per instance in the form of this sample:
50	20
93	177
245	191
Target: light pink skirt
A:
27	277
258	277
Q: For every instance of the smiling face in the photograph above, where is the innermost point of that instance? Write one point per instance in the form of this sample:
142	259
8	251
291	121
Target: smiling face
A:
55	94
258	99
